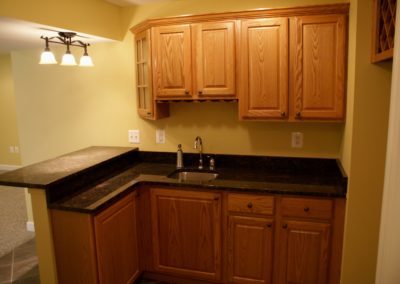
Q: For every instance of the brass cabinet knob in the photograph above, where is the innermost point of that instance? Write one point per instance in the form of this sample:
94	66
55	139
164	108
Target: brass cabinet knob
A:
284	226
269	225
306	209
283	113
187	92
298	114
250	205
200	92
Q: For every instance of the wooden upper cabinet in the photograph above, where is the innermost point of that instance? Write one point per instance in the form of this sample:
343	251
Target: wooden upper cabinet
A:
172	74
186	230
146	105
318	48
264	70
214	54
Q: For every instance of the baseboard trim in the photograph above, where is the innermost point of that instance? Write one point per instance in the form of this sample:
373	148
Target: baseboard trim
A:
4	167
30	226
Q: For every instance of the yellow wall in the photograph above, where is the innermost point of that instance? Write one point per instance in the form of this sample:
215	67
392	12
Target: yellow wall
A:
8	117
86	16
367	151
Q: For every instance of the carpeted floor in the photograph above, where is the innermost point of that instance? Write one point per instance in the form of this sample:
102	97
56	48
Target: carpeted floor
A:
13	219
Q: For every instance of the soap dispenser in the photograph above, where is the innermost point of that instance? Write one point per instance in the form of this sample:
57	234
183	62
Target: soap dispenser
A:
179	157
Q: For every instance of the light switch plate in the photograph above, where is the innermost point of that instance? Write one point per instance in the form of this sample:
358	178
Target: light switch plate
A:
297	140
133	136
160	136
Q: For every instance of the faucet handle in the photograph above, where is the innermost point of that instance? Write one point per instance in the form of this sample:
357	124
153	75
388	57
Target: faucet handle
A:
212	163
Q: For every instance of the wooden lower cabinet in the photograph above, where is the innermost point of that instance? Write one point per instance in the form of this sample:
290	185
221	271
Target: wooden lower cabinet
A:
97	249
304	252
250	250
186	233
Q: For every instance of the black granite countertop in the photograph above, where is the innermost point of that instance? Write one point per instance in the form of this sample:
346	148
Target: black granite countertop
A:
88	187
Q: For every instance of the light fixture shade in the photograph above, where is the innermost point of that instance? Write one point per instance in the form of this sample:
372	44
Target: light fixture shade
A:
68	59
86	61
47	57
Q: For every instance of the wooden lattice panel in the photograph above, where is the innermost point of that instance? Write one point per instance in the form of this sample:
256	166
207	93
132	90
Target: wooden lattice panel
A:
384	18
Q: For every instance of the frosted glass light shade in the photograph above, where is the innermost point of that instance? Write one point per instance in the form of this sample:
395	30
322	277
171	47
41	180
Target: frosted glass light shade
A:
86	61
68	59
47	57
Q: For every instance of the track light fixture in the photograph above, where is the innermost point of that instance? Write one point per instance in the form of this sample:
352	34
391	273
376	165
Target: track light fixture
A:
68	59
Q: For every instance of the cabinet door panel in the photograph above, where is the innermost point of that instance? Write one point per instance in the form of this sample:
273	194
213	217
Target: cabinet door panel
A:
214	47
304	253
187	232
264	89
116	243
250	250
172	61
319	66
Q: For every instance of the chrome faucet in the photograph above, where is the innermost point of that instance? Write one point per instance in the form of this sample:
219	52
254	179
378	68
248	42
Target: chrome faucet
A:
198	145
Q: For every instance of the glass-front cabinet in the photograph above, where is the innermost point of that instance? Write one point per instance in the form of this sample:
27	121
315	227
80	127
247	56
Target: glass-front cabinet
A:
147	107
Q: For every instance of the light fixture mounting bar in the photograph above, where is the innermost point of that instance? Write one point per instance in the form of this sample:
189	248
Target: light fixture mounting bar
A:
66	39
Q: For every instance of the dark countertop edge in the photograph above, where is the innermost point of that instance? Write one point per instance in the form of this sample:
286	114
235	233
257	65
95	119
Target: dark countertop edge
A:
49	185
122	191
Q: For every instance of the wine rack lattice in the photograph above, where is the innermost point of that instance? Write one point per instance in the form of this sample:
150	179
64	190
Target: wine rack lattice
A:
384	18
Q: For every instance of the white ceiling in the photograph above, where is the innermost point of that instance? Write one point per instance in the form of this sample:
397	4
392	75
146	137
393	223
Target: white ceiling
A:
17	35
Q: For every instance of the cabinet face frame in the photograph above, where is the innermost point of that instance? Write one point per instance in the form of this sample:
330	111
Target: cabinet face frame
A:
178	196
318	102
273	99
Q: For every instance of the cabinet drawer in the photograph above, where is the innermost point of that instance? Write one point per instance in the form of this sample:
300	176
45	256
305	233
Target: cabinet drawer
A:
249	203
307	207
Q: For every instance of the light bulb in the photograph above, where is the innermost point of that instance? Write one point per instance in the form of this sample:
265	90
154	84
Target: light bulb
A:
47	57
68	59
86	61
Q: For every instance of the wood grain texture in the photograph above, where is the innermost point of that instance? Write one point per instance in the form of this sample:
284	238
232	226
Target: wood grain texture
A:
214	49
318	52
171	50
116	242
250	250
338	8
264	69
305	252
307	207
251	203
337	241
187	233
147	106
74	247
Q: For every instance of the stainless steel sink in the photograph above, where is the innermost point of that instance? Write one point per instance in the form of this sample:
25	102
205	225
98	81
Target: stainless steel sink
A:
188	175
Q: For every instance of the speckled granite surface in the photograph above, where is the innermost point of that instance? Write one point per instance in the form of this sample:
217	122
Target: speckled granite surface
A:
94	188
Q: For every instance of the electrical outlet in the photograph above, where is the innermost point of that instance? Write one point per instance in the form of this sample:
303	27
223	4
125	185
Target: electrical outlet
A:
160	136
11	149
16	149
133	136
297	140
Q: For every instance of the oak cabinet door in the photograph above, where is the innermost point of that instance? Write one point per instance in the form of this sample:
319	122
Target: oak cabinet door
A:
318	66
172	75
264	69
214	52
304	252
186	228
116	243
250	243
